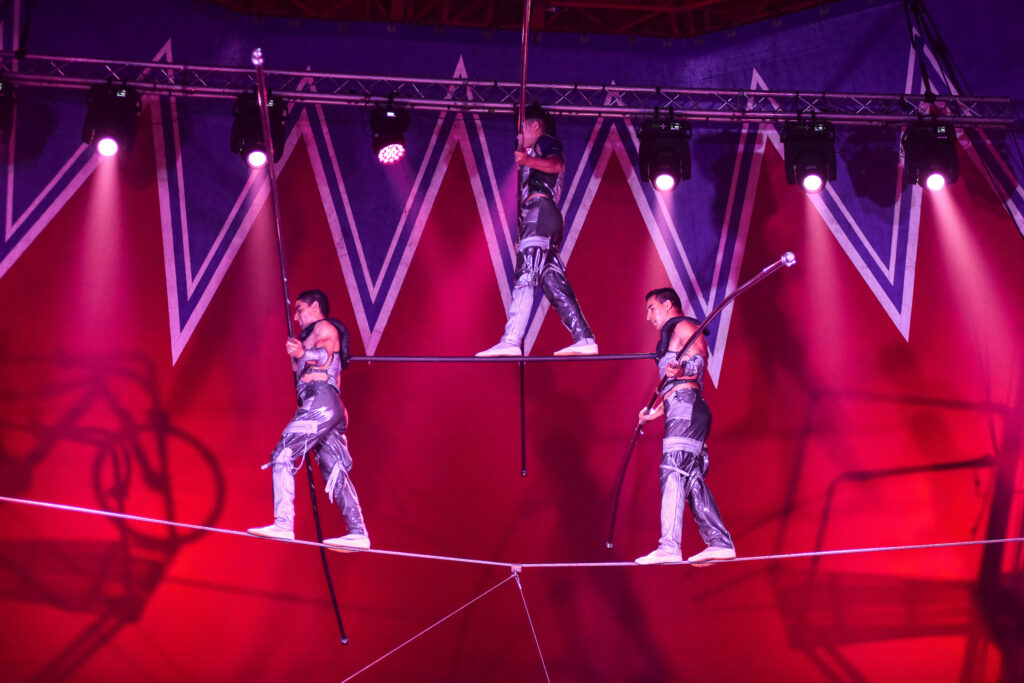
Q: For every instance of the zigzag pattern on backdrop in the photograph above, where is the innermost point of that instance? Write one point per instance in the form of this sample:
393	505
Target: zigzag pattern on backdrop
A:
699	230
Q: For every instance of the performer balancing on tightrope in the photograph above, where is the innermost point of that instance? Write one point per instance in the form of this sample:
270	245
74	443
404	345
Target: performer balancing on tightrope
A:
684	459
318	358
540	234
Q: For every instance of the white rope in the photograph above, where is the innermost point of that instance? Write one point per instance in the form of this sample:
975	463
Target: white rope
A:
787	556
244	534
509	565
519	584
436	623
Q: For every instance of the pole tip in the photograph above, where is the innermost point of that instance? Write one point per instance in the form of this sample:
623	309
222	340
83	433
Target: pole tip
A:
609	544
524	473
344	640
788	259
257	57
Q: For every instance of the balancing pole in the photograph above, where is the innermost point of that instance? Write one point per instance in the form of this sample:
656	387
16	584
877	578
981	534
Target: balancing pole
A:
268	146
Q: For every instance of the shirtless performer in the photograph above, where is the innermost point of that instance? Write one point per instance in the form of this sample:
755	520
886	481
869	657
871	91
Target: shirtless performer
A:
684	459
318	358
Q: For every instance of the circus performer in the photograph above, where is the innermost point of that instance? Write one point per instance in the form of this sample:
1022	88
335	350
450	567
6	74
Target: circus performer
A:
540	235
318	357
684	459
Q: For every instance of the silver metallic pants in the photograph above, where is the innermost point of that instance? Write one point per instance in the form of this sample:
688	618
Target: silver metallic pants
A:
318	424
684	464
537	263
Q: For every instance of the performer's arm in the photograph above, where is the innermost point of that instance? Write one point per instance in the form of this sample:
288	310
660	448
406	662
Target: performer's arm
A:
316	353
294	348
552	164
696	357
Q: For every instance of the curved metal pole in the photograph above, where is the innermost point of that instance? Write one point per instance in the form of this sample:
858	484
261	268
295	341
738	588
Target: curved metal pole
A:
268	144
788	260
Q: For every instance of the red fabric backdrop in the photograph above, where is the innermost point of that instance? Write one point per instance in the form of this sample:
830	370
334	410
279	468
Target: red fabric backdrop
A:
830	431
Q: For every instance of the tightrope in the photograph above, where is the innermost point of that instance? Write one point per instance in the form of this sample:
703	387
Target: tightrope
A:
514	566
498	359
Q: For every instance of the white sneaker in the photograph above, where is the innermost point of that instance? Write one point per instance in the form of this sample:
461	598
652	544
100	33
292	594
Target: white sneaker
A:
713	552
272	531
660	556
349	542
500	349
584	347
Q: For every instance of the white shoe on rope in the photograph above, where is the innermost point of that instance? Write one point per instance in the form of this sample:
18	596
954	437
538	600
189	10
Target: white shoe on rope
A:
500	349
272	531
660	556
584	347
713	552
349	542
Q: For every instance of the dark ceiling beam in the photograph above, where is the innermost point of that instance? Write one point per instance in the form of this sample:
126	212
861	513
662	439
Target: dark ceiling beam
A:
657	18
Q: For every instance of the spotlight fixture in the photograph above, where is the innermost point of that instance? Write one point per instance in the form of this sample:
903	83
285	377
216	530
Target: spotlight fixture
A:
247	129
389	125
930	152
664	155
112	117
810	153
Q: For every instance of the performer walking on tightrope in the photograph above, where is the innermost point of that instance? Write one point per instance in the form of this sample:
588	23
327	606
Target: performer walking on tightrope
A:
317	359
684	459
540	234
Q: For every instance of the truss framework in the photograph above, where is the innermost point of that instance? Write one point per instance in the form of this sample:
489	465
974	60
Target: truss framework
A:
495	97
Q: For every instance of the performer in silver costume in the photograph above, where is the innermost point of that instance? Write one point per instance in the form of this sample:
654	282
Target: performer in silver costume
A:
684	459
318	358
540	234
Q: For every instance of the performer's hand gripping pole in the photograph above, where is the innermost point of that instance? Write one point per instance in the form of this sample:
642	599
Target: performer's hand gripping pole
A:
788	260
268	145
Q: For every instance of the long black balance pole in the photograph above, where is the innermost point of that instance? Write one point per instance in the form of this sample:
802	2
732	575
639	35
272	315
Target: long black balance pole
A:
268	146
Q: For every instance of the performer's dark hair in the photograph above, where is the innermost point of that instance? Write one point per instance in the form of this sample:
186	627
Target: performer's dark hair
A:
535	112
666	294
311	296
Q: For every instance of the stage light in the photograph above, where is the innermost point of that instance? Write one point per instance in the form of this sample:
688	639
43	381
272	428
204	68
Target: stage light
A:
810	153
256	158
664	155
930	152
389	125
247	129
7	98
112	117
107	146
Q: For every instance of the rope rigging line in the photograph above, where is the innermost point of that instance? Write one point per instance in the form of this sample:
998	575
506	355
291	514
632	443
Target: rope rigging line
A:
514	566
529	619
244	534
440	621
791	556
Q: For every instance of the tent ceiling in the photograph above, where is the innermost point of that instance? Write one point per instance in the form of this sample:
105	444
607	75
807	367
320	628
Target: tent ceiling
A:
662	18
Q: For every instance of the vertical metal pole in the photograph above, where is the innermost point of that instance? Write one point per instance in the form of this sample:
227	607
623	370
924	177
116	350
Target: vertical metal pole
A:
520	125
268	146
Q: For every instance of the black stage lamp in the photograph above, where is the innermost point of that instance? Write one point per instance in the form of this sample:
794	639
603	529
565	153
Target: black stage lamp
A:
930	152
7	98
389	125
247	129
810	153
112	117
664	154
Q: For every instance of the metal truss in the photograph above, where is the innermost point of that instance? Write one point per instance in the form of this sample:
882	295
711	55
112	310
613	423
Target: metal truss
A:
497	97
